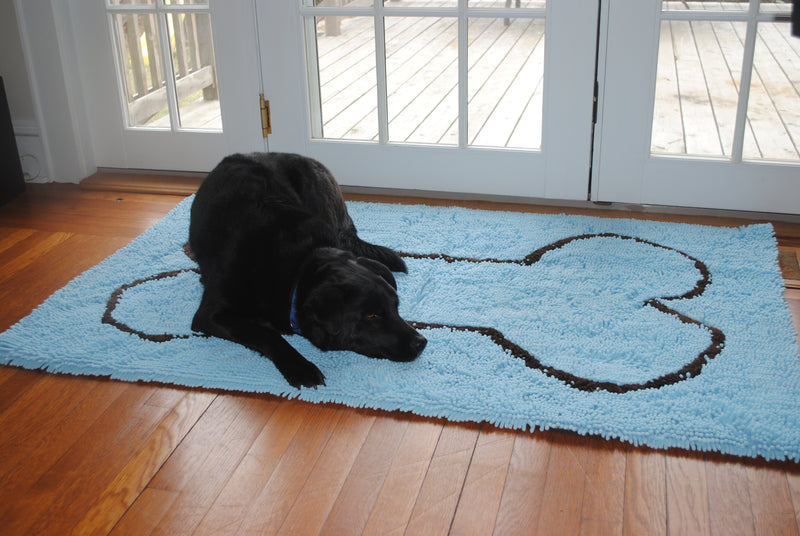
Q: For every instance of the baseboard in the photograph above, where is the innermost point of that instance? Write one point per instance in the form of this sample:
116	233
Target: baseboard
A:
31	151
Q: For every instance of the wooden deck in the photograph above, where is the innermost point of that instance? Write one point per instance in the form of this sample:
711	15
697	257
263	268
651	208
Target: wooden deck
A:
698	87
199	114
506	68
696	95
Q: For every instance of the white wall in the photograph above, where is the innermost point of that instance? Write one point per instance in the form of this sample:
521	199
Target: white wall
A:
56	88
12	66
18	92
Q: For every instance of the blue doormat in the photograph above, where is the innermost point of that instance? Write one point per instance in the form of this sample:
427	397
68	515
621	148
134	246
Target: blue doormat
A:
659	334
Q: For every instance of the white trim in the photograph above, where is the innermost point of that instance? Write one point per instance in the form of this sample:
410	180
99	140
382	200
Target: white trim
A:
463	77
158	6
380	72
568	91
24	32
115	145
24	127
627	88
30	150
559	170
745	82
746	186
56	88
626	172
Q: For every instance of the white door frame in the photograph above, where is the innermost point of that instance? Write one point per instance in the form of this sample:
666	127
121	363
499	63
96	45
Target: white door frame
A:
117	145
624	169
51	63
559	171
70	108
69	55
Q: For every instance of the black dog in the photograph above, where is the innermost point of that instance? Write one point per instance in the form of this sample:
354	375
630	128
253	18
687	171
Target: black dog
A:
278	253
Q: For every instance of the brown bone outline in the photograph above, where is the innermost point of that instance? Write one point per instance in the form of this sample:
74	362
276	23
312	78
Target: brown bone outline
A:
691	369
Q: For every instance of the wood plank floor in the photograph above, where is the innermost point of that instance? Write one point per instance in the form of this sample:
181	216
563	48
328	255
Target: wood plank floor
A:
92	456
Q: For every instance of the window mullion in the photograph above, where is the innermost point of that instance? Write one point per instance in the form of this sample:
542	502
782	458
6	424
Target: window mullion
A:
169	71
744	83
463	74
380	72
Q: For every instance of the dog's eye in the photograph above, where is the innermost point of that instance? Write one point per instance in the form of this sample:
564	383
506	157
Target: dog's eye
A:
373	316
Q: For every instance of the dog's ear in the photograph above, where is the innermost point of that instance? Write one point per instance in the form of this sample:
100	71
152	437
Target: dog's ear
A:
379	269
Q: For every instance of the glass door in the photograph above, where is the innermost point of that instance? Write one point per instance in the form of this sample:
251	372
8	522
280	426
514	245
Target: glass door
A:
700	105
168	84
475	96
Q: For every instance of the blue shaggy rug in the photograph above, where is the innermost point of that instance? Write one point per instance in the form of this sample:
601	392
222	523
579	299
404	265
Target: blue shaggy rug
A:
658	334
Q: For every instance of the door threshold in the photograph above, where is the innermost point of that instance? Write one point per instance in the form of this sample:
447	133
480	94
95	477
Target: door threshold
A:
142	183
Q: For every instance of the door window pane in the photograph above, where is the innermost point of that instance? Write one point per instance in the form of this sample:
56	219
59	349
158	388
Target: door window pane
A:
697	99
422	79
783	7
390	78
697	95
773	111
344	100
142	69
506	72
193	66
166	61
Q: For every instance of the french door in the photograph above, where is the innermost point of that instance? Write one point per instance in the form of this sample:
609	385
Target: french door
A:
168	84
700	105
476	96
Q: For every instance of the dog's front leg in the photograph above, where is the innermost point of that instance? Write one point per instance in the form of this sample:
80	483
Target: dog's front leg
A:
298	371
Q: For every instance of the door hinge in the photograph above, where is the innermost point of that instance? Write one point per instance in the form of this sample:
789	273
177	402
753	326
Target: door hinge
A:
266	120
594	104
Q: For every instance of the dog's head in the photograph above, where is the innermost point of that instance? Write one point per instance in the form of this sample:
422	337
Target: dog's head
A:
346	302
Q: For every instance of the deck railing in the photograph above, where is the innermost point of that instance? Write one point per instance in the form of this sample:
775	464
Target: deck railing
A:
192	58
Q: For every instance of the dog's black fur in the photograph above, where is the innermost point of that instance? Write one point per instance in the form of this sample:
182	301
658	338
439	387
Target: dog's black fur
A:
278	253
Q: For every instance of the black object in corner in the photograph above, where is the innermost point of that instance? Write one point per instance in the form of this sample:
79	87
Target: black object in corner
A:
796	18
12	182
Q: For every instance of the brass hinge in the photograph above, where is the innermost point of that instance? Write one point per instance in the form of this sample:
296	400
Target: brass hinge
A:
266	120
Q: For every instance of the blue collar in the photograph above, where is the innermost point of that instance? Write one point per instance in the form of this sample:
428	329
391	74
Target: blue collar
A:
293	313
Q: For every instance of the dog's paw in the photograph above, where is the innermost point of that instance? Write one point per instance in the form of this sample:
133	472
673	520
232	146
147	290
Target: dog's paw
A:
304	374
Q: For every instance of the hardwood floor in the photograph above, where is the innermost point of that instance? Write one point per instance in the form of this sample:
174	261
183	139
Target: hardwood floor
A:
92	456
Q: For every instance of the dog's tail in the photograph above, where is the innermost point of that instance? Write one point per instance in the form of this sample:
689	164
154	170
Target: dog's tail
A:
382	254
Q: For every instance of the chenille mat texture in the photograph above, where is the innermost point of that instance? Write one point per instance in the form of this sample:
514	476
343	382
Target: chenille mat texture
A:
658	334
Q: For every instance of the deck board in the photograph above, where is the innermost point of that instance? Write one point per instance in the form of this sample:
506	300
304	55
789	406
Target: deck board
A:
696	92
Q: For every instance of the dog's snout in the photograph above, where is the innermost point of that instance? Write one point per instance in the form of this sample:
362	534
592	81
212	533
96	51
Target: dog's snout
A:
418	344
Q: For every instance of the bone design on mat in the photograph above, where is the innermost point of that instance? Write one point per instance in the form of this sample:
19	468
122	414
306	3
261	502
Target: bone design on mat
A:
692	368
